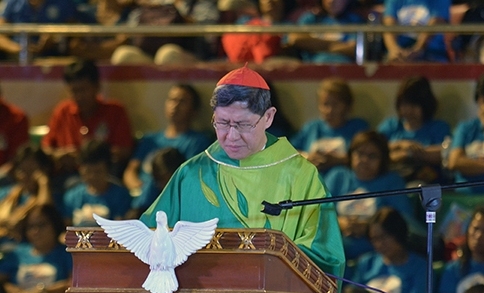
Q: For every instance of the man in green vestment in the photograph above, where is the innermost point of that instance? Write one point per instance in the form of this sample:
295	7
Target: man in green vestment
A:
247	165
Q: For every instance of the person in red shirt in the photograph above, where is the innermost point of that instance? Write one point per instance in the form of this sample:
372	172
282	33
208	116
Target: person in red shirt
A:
14	132
86	115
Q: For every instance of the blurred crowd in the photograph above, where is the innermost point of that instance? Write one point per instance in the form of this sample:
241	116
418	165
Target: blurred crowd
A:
90	161
337	47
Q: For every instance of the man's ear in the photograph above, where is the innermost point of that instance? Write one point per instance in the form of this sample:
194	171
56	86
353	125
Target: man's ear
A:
269	116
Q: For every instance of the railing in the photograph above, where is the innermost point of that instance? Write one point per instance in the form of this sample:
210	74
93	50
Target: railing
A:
25	30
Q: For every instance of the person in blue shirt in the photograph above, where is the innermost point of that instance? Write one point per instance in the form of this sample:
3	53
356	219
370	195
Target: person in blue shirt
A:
468	270
414	135
410	46
181	107
338	47
40	12
325	141
466	156
40	263
392	267
98	192
164	164
367	171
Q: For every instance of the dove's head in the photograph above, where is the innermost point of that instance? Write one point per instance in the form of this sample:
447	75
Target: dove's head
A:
161	218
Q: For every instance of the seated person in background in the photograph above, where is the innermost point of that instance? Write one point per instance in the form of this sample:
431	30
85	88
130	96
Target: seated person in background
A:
14	132
97	193
392	267
327	47
415	136
107	13
40	12
181	107
86	115
325	141
468	270
367	171
246	166
259	47
411	46
156	49
31	171
164	164
40	262
466	156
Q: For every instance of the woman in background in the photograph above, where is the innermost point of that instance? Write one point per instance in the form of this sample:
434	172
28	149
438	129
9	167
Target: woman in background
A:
414	135
392	267
467	271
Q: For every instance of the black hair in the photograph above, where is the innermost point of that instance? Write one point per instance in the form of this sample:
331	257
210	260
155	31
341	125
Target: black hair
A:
168	159
258	100
95	151
81	69
416	90
51	213
35	152
392	222
196	100
466	255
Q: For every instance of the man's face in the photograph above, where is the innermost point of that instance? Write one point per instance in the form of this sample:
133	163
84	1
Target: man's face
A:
241	145
179	106
84	93
332	109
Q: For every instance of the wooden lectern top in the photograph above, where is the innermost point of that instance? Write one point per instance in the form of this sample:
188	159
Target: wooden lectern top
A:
236	260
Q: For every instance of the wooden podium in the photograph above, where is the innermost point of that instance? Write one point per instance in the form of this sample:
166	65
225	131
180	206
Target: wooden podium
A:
246	260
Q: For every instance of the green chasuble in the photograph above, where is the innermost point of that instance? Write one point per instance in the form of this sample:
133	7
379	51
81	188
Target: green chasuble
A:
213	185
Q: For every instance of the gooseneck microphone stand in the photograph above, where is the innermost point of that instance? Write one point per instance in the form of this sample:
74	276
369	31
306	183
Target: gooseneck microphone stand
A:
430	197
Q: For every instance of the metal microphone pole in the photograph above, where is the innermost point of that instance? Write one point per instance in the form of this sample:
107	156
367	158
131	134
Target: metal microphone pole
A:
431	200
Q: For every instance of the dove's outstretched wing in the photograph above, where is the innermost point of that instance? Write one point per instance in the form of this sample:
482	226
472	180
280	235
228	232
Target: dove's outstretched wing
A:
132	234
189	237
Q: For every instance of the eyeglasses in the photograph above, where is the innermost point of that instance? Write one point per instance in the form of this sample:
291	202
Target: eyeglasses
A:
240	127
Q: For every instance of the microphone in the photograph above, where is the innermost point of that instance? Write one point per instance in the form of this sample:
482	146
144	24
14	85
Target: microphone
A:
428	202
431	200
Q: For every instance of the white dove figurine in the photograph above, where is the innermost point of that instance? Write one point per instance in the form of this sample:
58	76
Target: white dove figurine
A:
161	249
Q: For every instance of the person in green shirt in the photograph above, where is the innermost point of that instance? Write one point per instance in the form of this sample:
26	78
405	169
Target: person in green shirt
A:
247	165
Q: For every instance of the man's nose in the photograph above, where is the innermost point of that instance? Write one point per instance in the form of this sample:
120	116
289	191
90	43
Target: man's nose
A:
233	133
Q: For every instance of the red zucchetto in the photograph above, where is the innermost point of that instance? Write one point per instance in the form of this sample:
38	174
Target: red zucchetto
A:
244	76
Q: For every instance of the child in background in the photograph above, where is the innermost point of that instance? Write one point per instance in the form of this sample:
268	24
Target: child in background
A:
31	171
367	171
40	263
97	193
326	140
164	164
